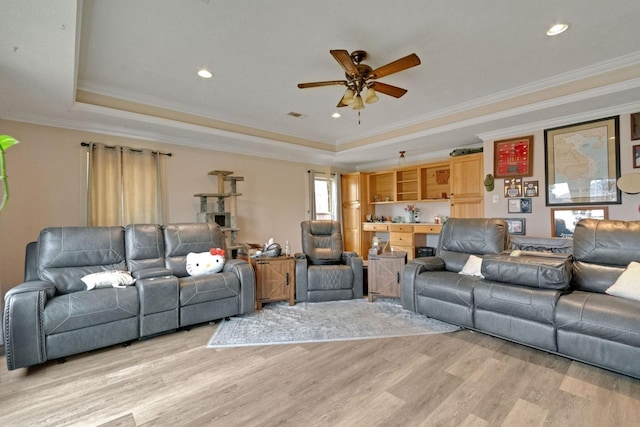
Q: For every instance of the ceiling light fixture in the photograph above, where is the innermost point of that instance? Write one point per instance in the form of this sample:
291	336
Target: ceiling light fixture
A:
557	29
204	73
402	160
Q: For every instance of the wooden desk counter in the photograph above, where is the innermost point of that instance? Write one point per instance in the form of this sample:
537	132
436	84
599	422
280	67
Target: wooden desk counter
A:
404	236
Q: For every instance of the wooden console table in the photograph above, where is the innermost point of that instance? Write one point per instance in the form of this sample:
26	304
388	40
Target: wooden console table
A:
275	279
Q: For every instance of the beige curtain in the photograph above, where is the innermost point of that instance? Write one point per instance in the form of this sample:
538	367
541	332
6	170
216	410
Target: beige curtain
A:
124	186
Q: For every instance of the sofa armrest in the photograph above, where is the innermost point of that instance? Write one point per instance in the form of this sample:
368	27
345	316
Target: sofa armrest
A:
247	277
355	262
24	341
431	263
302	274
148	273
407	284
158	304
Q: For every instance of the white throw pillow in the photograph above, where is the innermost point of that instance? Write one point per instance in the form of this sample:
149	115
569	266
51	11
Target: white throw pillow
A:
628	284
472	267
106	279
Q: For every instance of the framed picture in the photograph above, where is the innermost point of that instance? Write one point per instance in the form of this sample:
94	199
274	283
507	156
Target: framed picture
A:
530	189
513	187
636	156
564	220
516	225
519	205
583	163
635	126
513	157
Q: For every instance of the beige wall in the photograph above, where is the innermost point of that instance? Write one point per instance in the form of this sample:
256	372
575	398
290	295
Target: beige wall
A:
46	174
538	222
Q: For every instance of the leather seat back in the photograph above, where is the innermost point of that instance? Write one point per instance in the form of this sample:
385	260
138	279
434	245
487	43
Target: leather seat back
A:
180	239
602	249
66	254
144	244
461	237
322	242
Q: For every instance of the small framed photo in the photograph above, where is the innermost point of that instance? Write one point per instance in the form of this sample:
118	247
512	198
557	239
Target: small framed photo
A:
564	220
516	225
513	187
519	205
635	127
636	156
530	189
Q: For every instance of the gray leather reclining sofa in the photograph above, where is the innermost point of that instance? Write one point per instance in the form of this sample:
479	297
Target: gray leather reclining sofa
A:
52	315
551	297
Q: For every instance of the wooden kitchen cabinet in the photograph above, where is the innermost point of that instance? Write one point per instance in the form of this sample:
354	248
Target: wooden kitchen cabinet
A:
355	207
467	186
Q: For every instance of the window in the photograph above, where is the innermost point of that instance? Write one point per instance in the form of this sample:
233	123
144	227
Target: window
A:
323	195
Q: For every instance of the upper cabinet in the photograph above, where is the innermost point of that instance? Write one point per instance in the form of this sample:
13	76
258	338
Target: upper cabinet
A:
429	182
467	186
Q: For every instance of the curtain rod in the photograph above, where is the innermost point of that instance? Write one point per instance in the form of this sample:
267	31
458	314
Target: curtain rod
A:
136	150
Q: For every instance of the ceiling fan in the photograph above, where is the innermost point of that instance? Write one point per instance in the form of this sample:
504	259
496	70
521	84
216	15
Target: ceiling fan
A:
361	77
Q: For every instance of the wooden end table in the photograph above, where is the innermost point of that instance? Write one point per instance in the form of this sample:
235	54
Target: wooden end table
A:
275	279
385	271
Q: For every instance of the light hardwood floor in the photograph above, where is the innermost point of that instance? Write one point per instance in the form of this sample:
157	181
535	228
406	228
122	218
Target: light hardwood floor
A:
458	379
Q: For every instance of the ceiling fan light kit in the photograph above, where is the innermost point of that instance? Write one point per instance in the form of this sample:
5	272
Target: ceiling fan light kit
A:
361	77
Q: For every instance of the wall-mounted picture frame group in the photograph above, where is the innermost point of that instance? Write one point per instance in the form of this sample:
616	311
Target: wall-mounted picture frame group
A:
636	156
583	163
564	220
516	225
513	157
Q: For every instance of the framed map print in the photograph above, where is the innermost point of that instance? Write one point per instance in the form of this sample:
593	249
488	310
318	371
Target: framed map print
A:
583	163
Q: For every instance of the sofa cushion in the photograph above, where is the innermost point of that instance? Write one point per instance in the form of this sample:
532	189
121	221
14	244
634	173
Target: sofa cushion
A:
85	309
544	272
628	284
144	245
329	277
603	316
206	288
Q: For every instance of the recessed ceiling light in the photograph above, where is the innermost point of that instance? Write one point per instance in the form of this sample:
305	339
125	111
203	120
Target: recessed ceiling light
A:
336	115
557	29
205	74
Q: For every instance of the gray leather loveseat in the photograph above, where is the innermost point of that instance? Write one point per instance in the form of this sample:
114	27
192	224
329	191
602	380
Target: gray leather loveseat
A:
545	298
52	314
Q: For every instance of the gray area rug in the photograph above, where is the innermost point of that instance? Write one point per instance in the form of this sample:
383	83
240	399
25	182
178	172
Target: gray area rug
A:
279	323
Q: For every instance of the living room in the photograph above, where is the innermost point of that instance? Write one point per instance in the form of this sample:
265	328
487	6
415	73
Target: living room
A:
47	169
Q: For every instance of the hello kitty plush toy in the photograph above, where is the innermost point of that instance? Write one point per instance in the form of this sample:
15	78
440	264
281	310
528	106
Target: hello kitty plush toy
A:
202	263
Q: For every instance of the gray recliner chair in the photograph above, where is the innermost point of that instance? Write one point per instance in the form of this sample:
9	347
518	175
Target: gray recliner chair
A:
324	271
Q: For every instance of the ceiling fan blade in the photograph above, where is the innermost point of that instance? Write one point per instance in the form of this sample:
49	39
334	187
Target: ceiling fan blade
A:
396	66
318	84
394	91
344	59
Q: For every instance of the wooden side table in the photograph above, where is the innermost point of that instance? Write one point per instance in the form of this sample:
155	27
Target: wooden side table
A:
385	271
275	279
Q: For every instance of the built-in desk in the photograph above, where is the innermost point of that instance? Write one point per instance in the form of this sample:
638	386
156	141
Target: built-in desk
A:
404	237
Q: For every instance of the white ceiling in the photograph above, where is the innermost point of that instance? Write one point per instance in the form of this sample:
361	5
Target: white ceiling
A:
488	70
